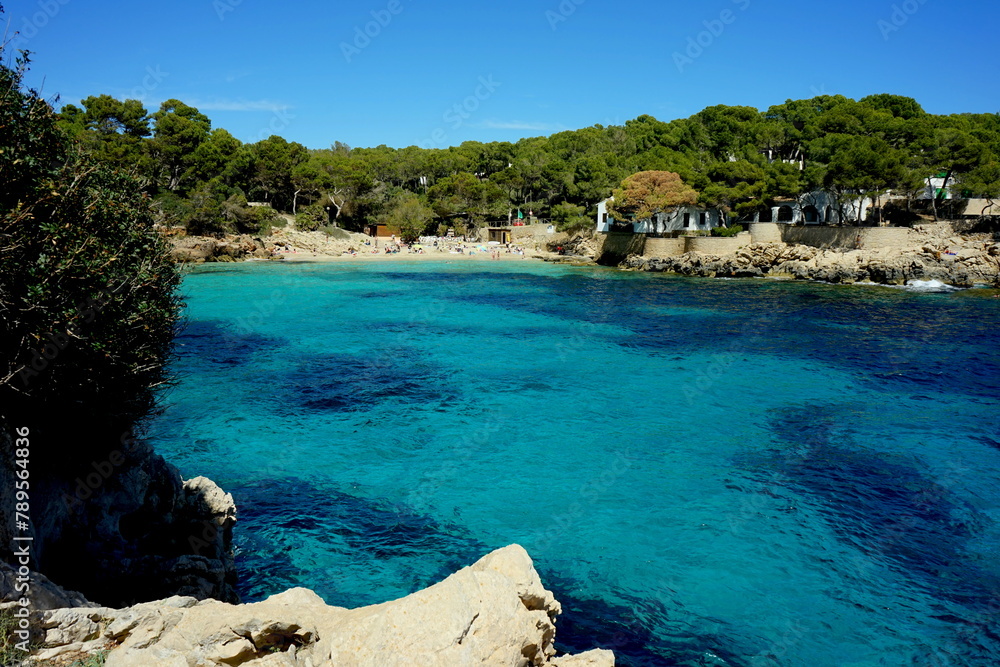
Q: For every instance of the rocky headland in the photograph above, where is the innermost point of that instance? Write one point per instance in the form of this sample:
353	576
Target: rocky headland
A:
976	265
495	612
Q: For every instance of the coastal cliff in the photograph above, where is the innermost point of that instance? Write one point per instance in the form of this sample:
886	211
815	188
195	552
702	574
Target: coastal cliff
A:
494	612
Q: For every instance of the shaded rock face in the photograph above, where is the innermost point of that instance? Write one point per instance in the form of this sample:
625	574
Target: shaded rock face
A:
118	524
495	612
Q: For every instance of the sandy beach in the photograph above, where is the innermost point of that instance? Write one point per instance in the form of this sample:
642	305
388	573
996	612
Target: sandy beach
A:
432	256
286	244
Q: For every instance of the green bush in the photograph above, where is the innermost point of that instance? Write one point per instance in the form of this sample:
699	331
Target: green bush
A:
10	654
311	218
265	219
171	209
96	660
727	232
571	218
83	275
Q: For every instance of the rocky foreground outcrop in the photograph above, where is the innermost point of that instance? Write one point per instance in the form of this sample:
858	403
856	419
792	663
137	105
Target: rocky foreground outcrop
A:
959	262
495	612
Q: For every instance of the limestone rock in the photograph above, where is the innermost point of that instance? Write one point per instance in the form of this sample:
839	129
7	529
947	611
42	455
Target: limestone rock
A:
596	658
495	612
194	249
973	260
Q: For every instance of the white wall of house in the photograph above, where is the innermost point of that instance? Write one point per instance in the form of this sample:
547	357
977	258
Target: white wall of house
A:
603	219
688	218
817	208
936	183
814	208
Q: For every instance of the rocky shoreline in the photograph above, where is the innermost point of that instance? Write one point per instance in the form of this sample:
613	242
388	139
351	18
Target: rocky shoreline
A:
845	267
965	260
122	526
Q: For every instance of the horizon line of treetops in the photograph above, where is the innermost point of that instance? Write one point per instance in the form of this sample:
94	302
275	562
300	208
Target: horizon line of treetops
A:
737	159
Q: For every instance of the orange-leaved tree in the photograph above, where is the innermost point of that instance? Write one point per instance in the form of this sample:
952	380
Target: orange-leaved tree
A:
649	192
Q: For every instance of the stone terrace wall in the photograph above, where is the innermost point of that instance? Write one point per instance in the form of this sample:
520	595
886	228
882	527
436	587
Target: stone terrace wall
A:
664	248
618	246
846	237
522	232
766	232
709	245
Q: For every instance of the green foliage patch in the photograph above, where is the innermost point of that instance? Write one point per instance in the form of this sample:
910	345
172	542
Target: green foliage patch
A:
88	298
727	232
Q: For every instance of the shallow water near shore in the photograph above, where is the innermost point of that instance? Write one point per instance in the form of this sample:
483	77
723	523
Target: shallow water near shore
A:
705	472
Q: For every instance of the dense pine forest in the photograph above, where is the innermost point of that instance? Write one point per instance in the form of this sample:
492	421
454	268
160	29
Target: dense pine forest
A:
738	159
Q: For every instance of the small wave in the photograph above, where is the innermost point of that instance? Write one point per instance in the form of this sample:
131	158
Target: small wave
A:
928	287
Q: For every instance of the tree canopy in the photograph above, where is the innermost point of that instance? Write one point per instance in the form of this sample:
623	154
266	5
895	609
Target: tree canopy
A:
647	193
736	159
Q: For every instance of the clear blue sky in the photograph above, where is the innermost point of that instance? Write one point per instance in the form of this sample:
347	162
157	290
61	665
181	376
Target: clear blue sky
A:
257	67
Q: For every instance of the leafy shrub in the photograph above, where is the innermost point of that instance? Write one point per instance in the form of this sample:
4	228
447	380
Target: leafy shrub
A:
310	218
171	210
266	219
96	660
82	271
10	654
727	232
571	217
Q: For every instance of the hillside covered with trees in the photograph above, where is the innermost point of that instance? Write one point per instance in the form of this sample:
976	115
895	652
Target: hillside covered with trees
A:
737	159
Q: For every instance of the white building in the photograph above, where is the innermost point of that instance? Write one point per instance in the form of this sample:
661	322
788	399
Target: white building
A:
815	208
934	188
685	218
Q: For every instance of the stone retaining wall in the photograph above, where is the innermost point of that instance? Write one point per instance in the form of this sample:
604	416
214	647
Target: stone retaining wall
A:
618	246
831	237
711	245
664	247
766	232
847	237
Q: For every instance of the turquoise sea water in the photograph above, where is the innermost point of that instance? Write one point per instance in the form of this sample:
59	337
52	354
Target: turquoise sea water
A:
705	472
